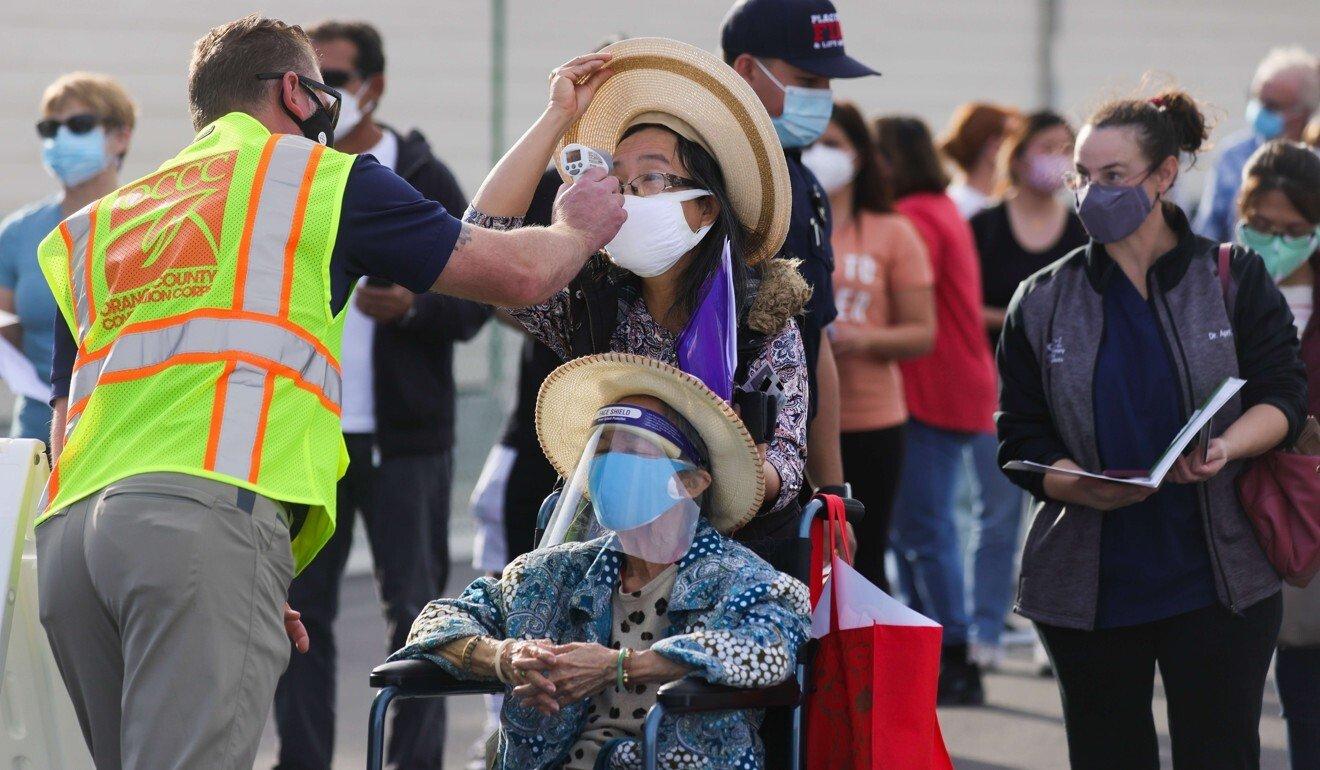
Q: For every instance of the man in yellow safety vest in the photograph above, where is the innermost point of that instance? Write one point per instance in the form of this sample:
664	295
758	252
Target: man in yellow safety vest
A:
197	382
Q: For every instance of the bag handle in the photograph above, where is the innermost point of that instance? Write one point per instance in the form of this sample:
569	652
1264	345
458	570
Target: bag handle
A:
825	545
1226	277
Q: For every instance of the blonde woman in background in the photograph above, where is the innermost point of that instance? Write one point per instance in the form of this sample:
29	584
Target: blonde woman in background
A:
86	123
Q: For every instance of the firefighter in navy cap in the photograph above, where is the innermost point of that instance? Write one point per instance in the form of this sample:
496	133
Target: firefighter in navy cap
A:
789	51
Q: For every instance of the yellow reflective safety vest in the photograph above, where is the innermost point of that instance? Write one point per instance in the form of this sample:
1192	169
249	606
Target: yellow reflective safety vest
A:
198	296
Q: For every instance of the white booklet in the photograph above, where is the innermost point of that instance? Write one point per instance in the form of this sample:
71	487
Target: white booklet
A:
1198	424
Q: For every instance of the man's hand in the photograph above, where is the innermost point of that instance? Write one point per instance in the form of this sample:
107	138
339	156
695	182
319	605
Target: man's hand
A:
591	208
573	84
293	626
384	304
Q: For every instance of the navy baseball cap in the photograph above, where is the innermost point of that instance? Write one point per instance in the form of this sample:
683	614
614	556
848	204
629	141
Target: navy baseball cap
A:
804	33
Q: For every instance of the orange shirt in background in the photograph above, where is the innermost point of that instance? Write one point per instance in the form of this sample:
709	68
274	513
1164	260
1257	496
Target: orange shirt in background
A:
874	255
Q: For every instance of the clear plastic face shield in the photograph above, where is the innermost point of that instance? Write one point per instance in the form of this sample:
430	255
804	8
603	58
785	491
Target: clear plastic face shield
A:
640	478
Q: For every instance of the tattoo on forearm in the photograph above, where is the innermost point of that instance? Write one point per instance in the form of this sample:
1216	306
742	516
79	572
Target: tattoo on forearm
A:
464	237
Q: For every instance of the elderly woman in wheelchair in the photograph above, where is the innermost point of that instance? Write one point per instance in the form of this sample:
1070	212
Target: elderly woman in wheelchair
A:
635	585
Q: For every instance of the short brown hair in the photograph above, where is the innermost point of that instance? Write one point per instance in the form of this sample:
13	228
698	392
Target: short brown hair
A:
101	93
972	125
222	77
909	154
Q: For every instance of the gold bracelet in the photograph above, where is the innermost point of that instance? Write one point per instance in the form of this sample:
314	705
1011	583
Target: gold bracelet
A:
466	658
623	666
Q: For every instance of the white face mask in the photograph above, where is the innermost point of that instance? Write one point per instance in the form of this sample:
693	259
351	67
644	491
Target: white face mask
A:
833	167
656	233
350	114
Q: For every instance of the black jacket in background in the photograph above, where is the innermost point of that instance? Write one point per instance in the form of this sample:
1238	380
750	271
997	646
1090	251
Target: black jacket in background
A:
413	359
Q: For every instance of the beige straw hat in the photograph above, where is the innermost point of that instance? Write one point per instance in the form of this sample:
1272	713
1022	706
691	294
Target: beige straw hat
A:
699	97
571	396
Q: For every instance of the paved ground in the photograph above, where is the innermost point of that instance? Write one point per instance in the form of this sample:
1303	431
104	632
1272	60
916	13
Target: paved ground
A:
1021	728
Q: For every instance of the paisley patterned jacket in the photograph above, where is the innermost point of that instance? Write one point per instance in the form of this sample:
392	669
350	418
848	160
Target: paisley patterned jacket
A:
782	358
733	619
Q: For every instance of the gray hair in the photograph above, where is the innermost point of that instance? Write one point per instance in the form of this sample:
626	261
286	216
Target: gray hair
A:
1286	61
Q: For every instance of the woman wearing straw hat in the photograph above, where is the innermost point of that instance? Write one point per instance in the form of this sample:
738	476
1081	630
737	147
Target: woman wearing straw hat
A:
700	165
584	632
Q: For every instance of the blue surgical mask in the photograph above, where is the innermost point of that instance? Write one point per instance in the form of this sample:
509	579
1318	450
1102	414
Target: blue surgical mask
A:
1112	212
74	158
1282	254
806	112
1264	122
630	491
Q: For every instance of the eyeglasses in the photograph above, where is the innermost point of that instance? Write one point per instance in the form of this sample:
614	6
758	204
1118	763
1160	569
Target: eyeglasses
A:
1290	235
313	87
338	78
656	182
1112	178
77	124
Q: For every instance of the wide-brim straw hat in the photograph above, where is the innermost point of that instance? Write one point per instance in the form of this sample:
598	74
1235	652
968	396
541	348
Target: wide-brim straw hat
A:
571	396
699	97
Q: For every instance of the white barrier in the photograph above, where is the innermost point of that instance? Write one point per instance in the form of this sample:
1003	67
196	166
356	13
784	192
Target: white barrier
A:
38	729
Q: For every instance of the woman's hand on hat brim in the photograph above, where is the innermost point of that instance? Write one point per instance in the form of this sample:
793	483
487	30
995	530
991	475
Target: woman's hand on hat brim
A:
573	85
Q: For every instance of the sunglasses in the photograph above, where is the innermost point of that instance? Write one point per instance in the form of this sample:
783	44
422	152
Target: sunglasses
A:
313	88
77	124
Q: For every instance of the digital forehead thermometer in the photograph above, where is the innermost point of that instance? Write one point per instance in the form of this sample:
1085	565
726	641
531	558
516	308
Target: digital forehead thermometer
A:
577	158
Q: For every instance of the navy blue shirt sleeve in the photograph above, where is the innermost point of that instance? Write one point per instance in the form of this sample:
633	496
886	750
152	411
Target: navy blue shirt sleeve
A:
61	366
387	229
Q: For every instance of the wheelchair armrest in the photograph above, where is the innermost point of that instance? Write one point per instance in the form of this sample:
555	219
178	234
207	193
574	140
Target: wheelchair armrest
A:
418	676
690	695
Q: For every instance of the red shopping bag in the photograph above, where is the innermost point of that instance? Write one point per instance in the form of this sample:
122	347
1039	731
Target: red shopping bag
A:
872	706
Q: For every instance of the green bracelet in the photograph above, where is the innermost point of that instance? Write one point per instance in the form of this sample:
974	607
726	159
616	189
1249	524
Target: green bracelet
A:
618	676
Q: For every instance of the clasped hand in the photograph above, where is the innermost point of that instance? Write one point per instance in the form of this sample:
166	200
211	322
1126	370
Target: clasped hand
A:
554	675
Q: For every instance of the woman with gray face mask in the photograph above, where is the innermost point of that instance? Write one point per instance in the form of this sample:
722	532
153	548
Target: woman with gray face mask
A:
697	179
85	127
1103	357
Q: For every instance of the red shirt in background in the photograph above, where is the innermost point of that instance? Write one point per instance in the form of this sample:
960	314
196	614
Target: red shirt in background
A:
953	387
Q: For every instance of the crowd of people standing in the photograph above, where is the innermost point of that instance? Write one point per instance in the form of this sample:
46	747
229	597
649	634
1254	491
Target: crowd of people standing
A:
1022	287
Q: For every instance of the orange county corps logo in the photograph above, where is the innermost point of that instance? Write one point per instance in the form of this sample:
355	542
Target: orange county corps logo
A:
164	233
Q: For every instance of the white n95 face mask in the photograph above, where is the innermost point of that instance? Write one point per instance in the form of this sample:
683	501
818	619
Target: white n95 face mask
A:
656	234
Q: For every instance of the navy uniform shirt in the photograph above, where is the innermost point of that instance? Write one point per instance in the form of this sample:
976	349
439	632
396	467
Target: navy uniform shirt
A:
1154	561
387	229
809	240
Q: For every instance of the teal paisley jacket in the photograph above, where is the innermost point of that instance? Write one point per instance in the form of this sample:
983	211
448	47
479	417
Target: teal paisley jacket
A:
734	620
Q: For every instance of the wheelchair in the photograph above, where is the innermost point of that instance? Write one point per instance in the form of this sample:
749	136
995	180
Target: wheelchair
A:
419	678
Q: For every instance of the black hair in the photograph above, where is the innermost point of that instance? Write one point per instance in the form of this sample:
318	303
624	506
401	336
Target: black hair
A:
1288	167
908	152
705	171
871	185
365	38
1168	124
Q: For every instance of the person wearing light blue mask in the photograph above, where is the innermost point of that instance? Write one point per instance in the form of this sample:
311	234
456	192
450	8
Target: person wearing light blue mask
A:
635	582
87	122
788	51
1279	218
1285	93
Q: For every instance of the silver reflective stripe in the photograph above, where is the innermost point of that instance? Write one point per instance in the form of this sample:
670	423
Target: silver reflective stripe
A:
84	380
264	278
240	421
80	231
212	335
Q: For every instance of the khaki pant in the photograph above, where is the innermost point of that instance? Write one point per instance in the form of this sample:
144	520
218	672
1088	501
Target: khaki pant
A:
162	596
